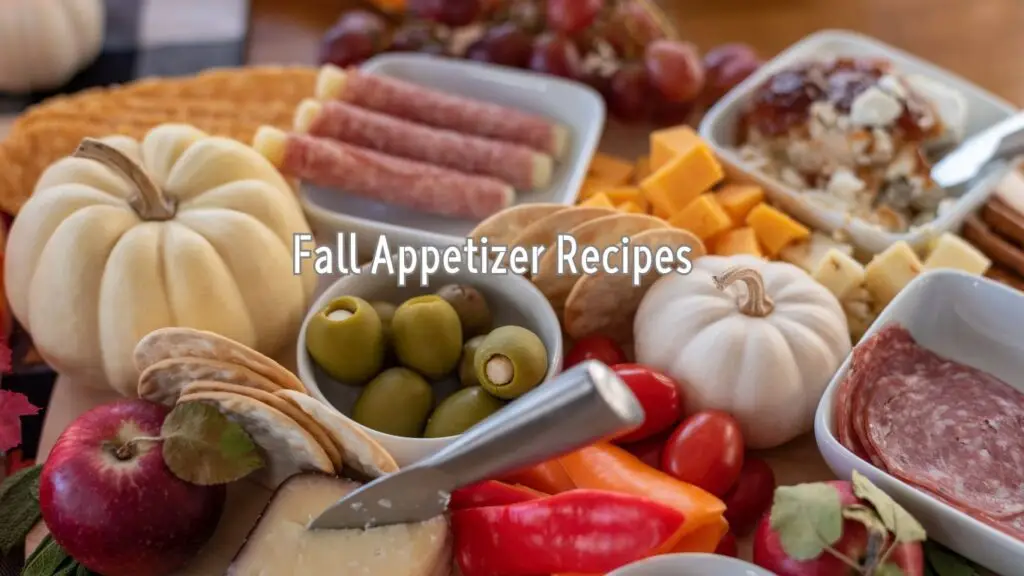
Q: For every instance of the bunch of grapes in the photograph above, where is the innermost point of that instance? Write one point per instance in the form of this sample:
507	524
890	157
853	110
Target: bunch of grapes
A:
616	46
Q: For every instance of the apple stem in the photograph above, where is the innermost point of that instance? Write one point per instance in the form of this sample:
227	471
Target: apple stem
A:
126	451
844	559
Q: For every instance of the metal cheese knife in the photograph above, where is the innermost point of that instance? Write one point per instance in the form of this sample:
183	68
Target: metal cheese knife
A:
993	147
584	404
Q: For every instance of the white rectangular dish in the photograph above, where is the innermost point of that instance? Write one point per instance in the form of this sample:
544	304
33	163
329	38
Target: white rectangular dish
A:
577	106
971	320
984	109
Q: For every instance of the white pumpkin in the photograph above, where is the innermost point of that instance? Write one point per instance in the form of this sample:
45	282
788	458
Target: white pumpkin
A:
125	237
757	339
43	43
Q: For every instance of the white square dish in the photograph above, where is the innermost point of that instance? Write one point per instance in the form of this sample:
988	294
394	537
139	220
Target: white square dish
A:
577	106
984	109
971	320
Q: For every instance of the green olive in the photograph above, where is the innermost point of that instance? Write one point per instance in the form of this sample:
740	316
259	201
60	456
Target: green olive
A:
510	362
396	402
346	338
427	336
471	306
461	411
467	370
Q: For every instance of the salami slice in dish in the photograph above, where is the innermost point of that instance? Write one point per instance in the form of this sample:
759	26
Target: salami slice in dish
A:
420	104
389	179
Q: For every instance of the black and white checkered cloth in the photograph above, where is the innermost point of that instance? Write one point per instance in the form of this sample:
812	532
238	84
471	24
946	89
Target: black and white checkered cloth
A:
158	38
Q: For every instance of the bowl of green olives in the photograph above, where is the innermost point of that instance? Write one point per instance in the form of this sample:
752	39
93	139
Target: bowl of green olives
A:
415	366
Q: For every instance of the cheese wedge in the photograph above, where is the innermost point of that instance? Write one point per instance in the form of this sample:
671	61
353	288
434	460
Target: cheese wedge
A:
281	545
890	271
839	272
954	252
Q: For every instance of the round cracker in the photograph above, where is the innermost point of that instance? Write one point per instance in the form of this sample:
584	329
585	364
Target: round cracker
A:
166	343
287	448
288	409
605	303
545	231
162	382
600	233
502	227
358	449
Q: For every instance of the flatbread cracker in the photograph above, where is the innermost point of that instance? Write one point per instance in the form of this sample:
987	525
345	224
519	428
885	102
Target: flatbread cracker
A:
503	227
358	449
163	382
287	448
599	233
287	408
191	343
606	303
544	232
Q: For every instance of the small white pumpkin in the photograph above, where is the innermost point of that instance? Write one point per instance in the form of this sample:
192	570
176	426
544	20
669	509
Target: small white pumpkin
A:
43	43
182	229
757	339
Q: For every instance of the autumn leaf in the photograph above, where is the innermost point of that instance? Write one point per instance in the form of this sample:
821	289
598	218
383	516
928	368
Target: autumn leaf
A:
201	446
903	526
12	407
808	519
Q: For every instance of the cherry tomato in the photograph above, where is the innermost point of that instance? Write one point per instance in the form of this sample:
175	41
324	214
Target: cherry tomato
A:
706	450
649	450
751	497
727	546
600	348
659	395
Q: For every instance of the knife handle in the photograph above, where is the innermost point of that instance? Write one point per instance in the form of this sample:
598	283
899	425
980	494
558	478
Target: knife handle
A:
583	405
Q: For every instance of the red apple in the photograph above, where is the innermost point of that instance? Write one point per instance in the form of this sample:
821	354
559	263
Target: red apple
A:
113	505
768	552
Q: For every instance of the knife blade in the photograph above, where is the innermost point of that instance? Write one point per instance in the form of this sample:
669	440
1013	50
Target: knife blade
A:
995	145
583	405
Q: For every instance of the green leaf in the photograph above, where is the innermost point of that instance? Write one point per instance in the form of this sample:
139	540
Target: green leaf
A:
888	569
19	507
70	568
808	518
945	562
897	520
866	516
83	571
201	446
46	560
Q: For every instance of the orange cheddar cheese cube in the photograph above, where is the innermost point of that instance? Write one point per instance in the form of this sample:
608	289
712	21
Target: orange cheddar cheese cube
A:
739	199
668	143
774	229
620	194
737	241
704	217
673	186
631	207
642	169
658	213
589	188
610	169
599	200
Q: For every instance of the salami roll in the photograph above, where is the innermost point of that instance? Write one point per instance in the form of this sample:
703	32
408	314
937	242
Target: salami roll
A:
520	166
381	177
434	108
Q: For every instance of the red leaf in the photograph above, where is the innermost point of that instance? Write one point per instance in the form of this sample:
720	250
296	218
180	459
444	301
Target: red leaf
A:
12	407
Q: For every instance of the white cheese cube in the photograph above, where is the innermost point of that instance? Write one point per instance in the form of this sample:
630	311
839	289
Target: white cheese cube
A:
839	272
890	271
807	254
952	251
1011	190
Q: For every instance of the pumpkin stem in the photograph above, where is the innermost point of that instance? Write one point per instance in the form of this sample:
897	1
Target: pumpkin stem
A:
757	302
149	201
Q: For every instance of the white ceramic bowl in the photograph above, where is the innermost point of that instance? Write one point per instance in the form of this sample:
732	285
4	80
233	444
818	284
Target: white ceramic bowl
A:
512	299
691	565
971	320
984	109
575	105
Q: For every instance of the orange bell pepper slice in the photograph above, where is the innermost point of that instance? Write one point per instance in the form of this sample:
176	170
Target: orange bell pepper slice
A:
704	539
607	467
548	477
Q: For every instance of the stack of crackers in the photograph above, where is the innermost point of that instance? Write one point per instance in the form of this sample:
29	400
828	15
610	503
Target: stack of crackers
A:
998	231
295	432
232	102
601	303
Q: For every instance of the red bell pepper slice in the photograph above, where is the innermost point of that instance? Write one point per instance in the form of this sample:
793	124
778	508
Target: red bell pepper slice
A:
581	531
491	493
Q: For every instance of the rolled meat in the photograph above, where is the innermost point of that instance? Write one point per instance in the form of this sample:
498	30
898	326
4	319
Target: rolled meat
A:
520	166
381	177
426	106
